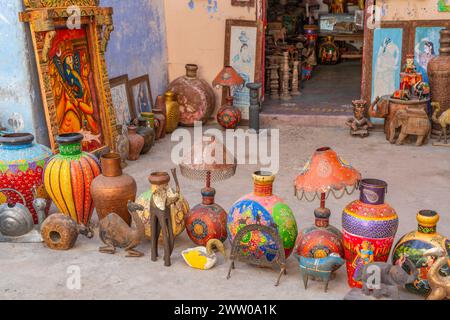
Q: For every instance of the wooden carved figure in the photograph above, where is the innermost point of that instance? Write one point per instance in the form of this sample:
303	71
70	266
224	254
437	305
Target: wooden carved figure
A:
443	120
359	125
280	35
440	285
116	233
411	122
160	220
338	6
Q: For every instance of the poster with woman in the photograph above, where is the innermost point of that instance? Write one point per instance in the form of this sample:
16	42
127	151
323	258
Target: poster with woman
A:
427	46
387	59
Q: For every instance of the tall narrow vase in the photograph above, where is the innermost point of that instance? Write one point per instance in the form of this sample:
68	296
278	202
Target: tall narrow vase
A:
22	168
112	190
68	177
369	226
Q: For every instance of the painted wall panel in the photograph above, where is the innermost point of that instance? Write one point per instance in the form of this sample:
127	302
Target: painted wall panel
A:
411	10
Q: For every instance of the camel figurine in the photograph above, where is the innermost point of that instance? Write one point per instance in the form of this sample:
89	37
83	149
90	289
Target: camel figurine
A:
115	232
443	120
440	286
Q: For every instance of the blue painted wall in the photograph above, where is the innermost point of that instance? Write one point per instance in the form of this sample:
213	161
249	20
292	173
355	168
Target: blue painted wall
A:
138	43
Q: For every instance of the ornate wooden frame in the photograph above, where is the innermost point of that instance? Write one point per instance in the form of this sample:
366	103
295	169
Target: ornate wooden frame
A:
47	16
243	3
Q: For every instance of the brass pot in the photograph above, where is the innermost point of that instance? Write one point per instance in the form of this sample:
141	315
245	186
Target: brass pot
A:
172	111
136	143
112	190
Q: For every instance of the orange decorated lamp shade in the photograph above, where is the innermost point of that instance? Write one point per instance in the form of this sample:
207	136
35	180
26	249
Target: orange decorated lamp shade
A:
325	173
228	77
208	160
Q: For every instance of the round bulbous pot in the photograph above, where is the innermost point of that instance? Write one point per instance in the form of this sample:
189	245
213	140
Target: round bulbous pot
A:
112	190
147	133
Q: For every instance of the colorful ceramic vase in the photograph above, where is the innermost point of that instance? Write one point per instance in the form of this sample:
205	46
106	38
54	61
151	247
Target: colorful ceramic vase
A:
22	165
320	240
329	52
68	177
195	97
122	145
112	190
207	220
263	207
369	226
416	243
178	213
144	129
172	112
137	143
312	34
229	116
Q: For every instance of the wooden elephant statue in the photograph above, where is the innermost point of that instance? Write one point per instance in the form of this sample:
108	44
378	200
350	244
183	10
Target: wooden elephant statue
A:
411	122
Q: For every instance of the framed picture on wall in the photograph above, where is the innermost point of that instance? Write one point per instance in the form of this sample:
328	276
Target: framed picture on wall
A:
243	51
121	100
72	73
141	95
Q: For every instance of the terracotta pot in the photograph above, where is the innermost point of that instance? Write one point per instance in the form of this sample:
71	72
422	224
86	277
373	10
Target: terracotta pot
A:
270	210
22	165
416	243
137	143
68	177
172	112
122	145
59	232
147	133
112	190
439	76
369	226
195	97
229	116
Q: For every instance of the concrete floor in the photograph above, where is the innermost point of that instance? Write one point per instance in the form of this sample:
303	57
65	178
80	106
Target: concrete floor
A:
419	178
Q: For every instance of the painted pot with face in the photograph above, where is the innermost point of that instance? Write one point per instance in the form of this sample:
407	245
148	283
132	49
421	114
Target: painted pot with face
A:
370	226
68	177
22	165
415	243
265	208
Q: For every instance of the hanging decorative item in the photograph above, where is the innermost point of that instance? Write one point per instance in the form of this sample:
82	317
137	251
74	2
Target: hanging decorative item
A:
117	233
228	116
22	165
112	190
195	97
243	251
207	220
16	222
369	226
68	177
204	258
415	244
329	52
270	210
72	70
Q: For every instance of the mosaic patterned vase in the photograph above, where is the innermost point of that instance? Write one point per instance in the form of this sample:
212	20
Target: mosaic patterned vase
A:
68	177
416	243
370	226
229	116
263	207
22	165
207	220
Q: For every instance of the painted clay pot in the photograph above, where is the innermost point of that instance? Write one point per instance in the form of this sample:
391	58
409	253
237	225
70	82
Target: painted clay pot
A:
122	145
178	212
270	210
172	112
150	117
59	232
321	239
22	165
414	244
112	190
147	133
329	52
229	116
136	143
160	117
207	220
68	177
312	34
195	97
369	226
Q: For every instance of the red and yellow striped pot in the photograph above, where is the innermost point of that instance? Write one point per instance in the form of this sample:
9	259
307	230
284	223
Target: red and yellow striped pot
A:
68	177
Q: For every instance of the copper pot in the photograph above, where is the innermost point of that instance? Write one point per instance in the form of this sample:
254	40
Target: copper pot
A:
136	143
112	190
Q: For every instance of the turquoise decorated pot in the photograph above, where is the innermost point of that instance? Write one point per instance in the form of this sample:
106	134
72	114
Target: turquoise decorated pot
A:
263	207
21	168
